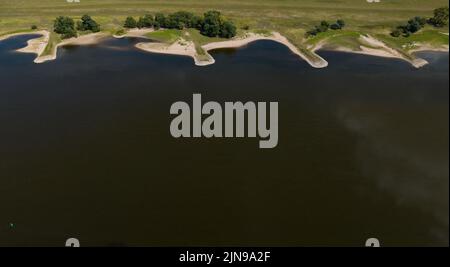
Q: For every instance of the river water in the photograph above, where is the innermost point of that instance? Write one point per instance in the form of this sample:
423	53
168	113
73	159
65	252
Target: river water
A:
86	152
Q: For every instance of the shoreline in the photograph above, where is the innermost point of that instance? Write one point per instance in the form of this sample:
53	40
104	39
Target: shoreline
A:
370	46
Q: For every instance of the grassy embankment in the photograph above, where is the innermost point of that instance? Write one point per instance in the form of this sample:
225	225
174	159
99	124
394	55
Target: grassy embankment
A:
292	18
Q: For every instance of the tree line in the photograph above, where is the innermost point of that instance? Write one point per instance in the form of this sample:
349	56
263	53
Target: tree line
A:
439	19
67	28
211	24
324	26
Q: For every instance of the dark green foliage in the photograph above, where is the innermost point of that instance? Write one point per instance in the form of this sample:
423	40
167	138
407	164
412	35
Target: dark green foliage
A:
65	26
215	25
34	27
414	25
324	26
156	25
211	24
341	23
335	26
228	30
69	34
146	21
88	24
180	20
160	20
440	18
130	23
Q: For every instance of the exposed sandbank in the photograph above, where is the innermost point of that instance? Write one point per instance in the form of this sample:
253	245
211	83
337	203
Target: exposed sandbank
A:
185	48
88	39
37	45
374	47
181	48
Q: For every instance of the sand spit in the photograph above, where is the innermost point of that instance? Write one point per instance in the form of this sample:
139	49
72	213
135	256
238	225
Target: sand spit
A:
375	47
182	47
88	39
37	45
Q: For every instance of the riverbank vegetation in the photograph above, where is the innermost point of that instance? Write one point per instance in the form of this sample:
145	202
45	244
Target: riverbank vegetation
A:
65	26
291	18
211	24
439	20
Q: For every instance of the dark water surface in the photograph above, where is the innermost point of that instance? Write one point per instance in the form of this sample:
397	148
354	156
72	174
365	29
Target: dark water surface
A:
86	152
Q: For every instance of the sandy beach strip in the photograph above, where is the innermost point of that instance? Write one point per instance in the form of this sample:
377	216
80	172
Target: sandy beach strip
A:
374	47
276	37
88	39
180	48
184	48
138	33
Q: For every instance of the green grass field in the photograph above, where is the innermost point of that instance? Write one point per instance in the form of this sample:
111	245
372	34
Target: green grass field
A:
291	18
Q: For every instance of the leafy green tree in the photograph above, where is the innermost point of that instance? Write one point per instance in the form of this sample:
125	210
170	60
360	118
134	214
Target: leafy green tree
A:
440	18
146	21
130	23
88	24
211	23
160	20
228	30
64	26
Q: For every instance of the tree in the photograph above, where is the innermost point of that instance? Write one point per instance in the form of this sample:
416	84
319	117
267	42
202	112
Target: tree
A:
160	20
211	23
88	24
64	26
440	18
130	23
228	30
146	21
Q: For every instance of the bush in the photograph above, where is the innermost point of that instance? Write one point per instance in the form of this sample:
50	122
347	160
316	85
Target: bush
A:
34	27
335	26
130	23
341	23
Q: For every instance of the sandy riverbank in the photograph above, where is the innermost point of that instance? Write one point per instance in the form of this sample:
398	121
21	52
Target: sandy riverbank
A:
88	39
180	48
373	47
37	45
369	46
185	48
137	33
